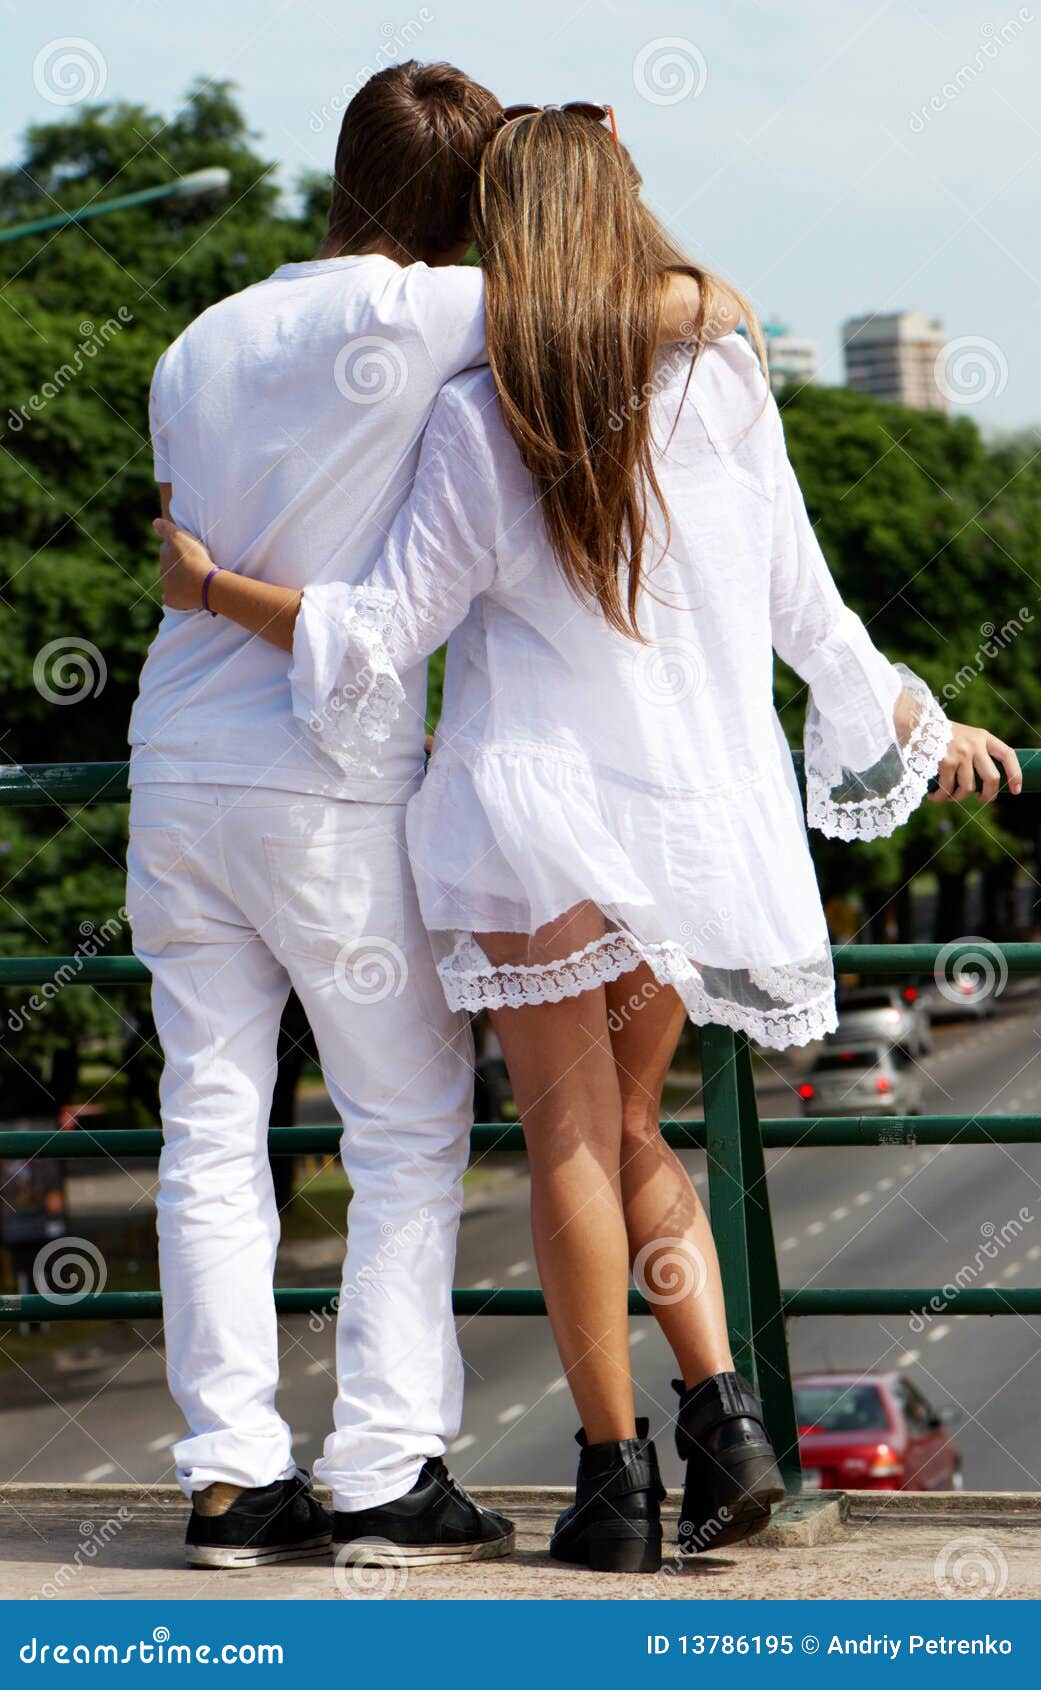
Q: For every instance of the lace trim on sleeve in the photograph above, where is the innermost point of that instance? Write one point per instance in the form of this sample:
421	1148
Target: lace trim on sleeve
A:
871	805
345	688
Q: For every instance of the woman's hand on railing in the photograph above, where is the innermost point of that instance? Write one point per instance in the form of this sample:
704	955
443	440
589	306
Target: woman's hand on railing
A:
974	752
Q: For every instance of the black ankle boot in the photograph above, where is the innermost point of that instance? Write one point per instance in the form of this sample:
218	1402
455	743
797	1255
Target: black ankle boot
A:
732	1473
614	1523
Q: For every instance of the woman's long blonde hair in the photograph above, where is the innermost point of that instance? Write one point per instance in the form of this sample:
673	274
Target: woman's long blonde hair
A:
575	274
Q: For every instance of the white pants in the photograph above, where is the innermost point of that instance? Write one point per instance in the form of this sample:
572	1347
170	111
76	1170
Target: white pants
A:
234	896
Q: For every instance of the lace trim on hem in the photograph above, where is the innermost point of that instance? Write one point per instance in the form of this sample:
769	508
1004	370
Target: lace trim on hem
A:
471	983
358	715
877	817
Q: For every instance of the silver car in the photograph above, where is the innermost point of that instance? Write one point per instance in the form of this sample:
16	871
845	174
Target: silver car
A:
962	999
892	1015
875	1079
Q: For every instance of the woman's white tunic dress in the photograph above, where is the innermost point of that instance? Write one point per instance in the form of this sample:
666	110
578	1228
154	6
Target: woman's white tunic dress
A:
575	767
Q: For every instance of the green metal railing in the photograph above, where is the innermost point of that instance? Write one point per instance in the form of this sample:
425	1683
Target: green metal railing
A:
731	1134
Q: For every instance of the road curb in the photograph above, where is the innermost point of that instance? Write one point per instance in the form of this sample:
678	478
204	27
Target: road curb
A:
808	1519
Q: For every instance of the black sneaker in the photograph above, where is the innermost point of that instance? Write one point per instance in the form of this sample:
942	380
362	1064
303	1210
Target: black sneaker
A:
436	1521
732	1474
279	1522
614	1523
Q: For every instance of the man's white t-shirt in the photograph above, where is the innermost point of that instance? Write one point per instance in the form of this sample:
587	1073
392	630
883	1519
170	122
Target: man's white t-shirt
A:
288	418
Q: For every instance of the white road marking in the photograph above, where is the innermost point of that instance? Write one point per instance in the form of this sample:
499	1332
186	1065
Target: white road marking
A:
164	1442
937	1333
906	1169
467	1440
556	1386
637	1338
814	1228
790	1244
516	1269
101	1472
862	1197
840	1213
885	1185
299	1438
482	1285
1033	1252
514	1412
1013	1268
908	1358
316	1367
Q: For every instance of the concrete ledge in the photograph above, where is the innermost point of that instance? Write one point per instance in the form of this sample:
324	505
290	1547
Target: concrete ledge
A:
109	1542
804	1521
1001	1506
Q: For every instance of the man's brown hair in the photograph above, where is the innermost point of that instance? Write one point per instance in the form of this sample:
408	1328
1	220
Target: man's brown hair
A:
406	160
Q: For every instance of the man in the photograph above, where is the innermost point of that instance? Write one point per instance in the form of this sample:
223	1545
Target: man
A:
286	425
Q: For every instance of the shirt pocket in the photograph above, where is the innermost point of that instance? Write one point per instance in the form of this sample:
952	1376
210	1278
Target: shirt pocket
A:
162	897
339	896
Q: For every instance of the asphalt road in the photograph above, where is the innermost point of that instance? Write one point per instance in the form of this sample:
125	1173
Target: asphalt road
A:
842	1217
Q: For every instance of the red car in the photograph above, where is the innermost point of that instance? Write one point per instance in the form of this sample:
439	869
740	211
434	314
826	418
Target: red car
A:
873	1431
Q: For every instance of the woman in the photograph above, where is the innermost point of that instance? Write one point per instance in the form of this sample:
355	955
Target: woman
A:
610	834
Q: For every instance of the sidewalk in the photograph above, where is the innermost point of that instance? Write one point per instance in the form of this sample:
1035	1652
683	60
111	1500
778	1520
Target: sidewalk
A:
85	1542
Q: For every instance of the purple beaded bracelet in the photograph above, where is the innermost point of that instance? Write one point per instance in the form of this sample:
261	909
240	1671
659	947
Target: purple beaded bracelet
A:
206	588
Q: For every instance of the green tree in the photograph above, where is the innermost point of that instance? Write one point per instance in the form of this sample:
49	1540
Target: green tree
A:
932	534
89	311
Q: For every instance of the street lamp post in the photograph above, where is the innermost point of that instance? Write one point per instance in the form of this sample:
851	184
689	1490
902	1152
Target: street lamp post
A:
215	180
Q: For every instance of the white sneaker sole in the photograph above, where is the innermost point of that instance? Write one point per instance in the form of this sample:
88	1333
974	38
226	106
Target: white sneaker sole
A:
243	1555
372	1554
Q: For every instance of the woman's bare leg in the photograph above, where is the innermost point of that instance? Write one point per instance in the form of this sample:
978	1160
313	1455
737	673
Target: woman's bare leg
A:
670	1240
564	1079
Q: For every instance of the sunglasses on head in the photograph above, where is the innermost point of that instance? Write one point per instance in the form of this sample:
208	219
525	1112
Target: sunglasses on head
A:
581	108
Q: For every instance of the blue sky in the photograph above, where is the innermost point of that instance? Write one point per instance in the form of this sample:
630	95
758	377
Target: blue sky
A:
831	158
